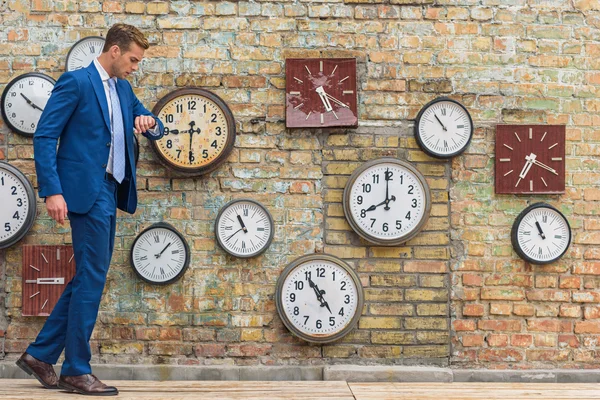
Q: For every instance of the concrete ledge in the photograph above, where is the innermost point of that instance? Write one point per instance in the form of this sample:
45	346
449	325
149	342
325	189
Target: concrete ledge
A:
350	373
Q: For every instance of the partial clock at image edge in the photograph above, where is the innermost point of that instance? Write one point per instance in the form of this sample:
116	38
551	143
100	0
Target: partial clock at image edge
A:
23	101
541	234
253	224
83	52
415	201
160	255
331	310
46	272
443	128
199	126
19	206
321	92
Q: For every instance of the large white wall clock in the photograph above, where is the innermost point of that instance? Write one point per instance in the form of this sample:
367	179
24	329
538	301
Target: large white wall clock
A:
387	201
83	52
18	210
319	298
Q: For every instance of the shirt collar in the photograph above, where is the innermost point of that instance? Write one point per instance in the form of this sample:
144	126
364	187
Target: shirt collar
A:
103	74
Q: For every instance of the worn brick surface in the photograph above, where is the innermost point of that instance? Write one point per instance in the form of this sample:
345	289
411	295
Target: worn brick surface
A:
456	294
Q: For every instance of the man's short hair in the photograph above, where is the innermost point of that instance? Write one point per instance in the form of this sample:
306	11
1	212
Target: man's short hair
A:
123	35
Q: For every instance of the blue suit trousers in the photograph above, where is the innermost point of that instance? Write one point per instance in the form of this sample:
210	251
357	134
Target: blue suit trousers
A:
72	320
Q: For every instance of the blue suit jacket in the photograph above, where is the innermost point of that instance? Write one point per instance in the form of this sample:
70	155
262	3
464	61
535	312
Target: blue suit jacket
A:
77	114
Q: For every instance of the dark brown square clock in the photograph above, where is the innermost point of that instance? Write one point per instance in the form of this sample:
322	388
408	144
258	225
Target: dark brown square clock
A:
46	272
530	159
320	92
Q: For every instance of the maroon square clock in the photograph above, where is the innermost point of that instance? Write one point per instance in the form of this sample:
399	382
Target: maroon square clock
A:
320	92
530	159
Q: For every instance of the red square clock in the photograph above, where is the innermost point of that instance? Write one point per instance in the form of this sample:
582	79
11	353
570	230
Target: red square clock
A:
530	159
46	272
321	92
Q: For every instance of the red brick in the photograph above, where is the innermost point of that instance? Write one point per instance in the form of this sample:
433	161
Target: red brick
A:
589	312
249	350
587	268
547	355
548	295
472	280
209	350
463	325
548	325
500	355
146	333
570	282
570	311
500	308
473	310
472	340
568	340
524	310
495	340
545	281
500	325
587	327
502	294
545	340
521	340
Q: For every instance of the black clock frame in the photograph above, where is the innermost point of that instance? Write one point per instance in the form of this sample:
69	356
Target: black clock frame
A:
186	263
229	204
515	232
230	124
5	94
420	141
30	219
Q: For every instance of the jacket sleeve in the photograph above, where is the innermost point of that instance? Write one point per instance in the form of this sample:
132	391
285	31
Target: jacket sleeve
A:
138	109
56	115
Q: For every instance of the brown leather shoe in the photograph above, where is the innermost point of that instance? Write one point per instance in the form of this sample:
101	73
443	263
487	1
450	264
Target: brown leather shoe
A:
86	384
41	370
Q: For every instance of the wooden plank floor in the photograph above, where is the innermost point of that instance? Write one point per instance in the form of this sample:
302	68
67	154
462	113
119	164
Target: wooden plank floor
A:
21	389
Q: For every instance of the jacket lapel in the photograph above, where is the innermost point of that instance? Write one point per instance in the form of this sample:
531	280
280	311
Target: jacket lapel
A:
99	90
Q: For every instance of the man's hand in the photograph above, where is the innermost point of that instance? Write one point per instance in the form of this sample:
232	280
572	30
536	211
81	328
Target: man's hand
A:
57	208
143	123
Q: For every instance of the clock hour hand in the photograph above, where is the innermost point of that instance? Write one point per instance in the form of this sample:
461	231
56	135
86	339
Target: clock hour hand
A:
174	131
319	294
436	117
540	230
324	98
47	281
242	224
31	103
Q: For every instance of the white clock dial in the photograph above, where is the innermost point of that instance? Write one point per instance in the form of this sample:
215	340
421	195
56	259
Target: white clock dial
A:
443	128
387	201
244	228
84	51
541	234
160	254
23	101
319	298
18	205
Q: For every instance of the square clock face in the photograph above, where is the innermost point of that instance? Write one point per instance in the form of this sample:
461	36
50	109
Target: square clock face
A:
530	159
320	92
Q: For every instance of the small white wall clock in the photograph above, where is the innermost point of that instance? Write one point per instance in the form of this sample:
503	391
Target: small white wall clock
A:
83	52
387	201
319	298
18	210
160	254
23	101
244	228
541	234
443	128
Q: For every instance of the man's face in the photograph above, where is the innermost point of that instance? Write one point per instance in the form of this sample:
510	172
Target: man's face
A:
126	62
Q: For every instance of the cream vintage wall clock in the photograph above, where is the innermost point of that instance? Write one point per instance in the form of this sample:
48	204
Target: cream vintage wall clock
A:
321	92
387	201
199	131
319	298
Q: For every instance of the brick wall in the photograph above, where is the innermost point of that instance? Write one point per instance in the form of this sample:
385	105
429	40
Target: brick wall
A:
456	294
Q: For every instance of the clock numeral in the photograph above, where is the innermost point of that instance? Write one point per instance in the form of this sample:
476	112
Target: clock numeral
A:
191	105
318	324
443	111
178	153
557	236
306	318
331	321
320	272
341	312
169	118
156	239
179	108
14	190
296	310
376	178
333	273
414	203
16	215
19	202
175	252
204	153
347	299
545	218
366	188
407	216
2	180
343	286
307	275
169	144
526	233
246	211
385	227
398	224
214	144
373	221
228	228
359	200
243	244
299	285
260	229
410	189
213	118
218	133
540	251
292	297
143	258
7	227
162	271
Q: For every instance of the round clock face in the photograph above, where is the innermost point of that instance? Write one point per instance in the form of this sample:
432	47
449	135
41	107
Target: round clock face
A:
541	234
319	298
23	101
199	130
83	52
160	254
18	209
244	228
387	201
443	128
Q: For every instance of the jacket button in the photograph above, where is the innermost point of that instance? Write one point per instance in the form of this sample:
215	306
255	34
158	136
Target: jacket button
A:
108	144
103	165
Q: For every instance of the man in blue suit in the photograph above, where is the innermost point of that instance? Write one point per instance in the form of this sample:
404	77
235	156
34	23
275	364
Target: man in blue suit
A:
94	113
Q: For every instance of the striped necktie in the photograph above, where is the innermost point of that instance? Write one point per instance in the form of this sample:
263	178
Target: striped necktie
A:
118	169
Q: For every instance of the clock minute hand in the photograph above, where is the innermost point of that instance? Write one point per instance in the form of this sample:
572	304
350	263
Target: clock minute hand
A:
31	103
536	162
336	100
436	117
163	250
234	233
